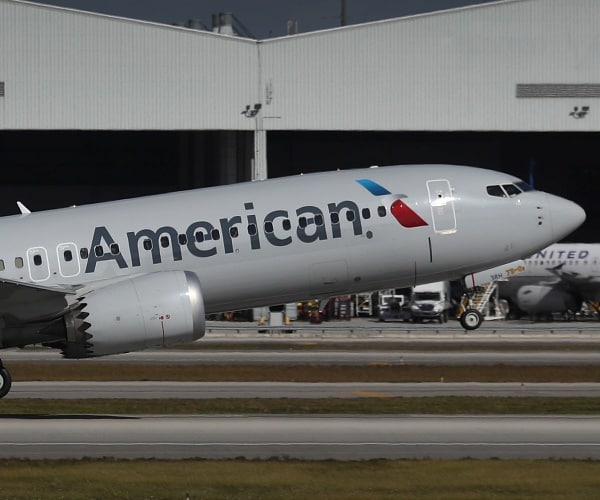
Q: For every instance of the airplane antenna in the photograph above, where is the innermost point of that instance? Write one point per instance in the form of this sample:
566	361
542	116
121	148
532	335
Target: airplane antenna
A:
24	210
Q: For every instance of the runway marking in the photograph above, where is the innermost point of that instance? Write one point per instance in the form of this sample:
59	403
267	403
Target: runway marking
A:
188	444
371	394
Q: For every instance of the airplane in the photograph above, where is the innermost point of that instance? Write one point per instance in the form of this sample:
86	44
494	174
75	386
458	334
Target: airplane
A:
557	279
118	276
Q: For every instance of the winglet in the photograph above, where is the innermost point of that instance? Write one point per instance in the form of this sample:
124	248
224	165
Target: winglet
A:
24	210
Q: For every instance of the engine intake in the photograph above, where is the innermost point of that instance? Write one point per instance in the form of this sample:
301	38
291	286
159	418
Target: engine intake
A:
542	299
145	311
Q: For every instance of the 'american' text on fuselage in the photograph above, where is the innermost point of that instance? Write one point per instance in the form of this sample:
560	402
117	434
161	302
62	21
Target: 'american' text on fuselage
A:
201	236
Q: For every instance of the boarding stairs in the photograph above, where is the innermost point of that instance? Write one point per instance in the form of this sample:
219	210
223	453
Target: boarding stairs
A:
485	300
594	307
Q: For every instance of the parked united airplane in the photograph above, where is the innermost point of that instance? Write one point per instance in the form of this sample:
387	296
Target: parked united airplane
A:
126	275
557	279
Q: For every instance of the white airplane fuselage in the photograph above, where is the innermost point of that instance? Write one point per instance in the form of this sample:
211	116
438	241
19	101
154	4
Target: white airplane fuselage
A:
254	250
125	275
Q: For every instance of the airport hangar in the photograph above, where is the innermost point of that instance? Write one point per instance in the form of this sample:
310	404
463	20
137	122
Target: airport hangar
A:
94	107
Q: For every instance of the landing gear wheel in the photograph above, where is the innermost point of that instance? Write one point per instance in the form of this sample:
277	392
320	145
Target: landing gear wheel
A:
471	319
5	381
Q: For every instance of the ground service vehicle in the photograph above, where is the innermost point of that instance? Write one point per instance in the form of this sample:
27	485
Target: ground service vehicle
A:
431	302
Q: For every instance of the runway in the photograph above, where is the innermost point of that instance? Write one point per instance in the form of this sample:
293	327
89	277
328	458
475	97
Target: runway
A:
206	390
372	328
315	438
348	357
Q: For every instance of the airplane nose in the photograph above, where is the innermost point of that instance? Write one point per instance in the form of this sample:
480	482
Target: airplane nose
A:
566	216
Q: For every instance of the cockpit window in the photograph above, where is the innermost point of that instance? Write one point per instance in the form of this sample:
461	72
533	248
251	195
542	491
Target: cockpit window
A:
496	191
511	189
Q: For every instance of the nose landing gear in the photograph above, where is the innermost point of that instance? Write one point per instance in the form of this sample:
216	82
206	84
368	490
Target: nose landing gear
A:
471	319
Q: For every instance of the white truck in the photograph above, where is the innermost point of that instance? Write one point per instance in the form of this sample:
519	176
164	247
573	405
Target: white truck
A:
430	302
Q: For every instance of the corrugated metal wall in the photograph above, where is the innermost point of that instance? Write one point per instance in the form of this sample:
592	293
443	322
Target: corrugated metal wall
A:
70	70
455	70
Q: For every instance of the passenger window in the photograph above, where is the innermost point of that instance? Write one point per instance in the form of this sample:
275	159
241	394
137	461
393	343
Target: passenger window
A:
302	222
18	262
319	220
68	255
99	251
252	229
381	211
164	241
182	239
199	236
287	225
366	213
147	244
233	232
84	253
350	215
268	227
335	218
496	191
114	248
2	265
37	260
215	234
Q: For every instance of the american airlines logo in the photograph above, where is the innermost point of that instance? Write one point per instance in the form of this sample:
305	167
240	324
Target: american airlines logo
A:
405	215
208	238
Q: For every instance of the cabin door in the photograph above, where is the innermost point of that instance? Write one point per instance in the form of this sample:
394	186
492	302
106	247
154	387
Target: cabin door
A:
441	202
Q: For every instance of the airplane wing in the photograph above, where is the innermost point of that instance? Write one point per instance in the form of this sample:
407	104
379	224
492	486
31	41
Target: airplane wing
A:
587	287
25	302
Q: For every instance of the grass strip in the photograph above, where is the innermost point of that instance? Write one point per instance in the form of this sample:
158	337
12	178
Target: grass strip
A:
292	479
91	370
448	405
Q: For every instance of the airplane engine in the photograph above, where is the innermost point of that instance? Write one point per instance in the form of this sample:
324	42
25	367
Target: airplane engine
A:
144	311
540	299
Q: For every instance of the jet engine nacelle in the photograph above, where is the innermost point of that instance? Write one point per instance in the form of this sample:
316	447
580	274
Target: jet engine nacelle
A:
136	313
542	299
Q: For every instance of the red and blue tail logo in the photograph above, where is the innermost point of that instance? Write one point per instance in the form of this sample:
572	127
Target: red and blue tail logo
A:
405	215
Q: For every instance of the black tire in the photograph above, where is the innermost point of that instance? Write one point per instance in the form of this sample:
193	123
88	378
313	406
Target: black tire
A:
5	382
471	319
